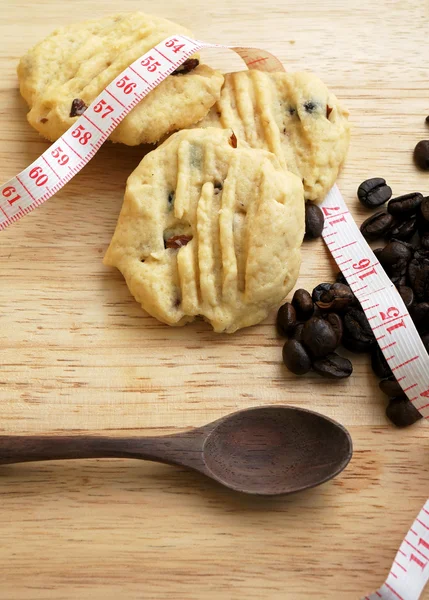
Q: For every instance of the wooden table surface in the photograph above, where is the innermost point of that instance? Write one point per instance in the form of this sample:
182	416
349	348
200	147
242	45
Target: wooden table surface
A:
78	354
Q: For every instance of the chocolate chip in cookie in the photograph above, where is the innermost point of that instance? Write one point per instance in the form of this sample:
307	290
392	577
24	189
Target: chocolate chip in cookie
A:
78	107
188	66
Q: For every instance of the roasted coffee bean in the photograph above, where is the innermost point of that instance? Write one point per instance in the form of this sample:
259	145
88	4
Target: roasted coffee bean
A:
405	205
358	335
395	257
418	273
333	366
319	337
406	294
379	364
410	245
374	192
400	279
424	241
420	315
425	340
319	290
303	304
352	345
377	252
423	216
421	155
390	387
337	325
336	289
286	319
343	291
314	221
404	230
340	278
317	312
78	107
427	119
424	208
297	332
338	298
189	65
377	225
296	358
401	412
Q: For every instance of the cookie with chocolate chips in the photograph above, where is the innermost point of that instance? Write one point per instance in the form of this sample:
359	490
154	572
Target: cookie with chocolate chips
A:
294	116
209	227
63	74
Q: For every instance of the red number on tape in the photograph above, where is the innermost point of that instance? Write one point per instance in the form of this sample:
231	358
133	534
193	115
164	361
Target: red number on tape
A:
326	209
103	107
391	313
150	63
368	273
414	558
8	192
39	176
396	326
342	219
362	264
62	159
122	82
81	134
127	88
173	44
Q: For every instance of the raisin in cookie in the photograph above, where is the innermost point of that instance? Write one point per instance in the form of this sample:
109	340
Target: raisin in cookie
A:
63	74
211	229
292	115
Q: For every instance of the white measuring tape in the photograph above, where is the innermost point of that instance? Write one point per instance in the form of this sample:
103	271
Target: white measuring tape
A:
386	312
73	150
409	573
406	355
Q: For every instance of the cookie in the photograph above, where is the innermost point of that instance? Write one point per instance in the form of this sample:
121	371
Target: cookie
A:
209	229
63	74
292	115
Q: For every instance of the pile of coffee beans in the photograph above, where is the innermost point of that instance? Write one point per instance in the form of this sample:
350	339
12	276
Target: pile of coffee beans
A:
316	326
319	323
405	258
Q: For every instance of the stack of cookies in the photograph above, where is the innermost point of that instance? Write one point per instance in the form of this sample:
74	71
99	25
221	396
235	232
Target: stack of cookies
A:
213	218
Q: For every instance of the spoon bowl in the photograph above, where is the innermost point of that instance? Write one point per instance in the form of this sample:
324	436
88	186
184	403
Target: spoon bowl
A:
276	450
268	450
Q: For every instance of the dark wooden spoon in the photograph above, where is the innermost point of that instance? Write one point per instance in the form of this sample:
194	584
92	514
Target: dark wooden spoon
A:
267	450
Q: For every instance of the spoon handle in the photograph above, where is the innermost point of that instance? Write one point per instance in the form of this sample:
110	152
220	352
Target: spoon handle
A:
184	448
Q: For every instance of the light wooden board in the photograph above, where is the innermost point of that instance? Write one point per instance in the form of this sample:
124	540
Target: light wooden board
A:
78	354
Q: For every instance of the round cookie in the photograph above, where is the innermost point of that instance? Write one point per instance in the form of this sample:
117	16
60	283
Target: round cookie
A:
292	115
64	73
209	229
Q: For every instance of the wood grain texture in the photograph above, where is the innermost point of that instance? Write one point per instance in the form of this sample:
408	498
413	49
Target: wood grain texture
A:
78	354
